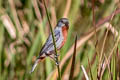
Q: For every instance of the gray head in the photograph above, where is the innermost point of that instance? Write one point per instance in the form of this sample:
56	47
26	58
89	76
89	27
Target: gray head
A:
63	22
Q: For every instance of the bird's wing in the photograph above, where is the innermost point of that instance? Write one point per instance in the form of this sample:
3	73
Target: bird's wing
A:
49	46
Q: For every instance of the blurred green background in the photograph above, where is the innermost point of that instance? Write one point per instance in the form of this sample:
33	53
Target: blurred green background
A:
24	29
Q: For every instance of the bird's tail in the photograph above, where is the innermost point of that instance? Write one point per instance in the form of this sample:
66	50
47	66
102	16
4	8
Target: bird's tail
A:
35	64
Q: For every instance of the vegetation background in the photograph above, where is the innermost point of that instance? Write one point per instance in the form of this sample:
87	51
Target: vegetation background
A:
24	28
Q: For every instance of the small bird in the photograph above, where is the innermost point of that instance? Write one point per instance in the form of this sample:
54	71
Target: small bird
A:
60	33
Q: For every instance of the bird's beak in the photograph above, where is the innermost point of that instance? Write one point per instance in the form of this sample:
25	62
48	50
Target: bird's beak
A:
67	24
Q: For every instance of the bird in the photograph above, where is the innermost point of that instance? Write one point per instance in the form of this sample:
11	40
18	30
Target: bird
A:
60	34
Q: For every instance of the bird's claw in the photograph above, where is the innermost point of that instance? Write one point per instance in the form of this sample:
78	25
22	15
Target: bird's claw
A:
57	63
56	55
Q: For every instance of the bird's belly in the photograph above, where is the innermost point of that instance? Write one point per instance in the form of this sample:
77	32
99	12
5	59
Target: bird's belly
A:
64	34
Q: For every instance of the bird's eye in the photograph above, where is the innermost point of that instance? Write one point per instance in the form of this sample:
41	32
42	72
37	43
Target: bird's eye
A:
62	21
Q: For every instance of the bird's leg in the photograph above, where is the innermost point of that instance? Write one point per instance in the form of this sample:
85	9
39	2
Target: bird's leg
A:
57	63
56	55
53	57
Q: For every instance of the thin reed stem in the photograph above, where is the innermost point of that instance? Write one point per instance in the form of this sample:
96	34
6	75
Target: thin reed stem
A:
53	40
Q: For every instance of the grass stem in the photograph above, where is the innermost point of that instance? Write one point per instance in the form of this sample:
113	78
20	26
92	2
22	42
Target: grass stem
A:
53	40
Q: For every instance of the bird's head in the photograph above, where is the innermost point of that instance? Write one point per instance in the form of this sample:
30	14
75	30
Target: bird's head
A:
63	22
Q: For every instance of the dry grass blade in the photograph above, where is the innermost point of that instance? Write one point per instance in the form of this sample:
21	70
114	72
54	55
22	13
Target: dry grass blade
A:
83	69
16	19
73	61
89	65
89	68
9	25
108	65
110	56
67	9
93	15
118	64
105	38
103	45
24	23
53	16
37	12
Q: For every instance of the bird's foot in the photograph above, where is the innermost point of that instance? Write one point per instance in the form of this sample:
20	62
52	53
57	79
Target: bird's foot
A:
57	63
56	55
